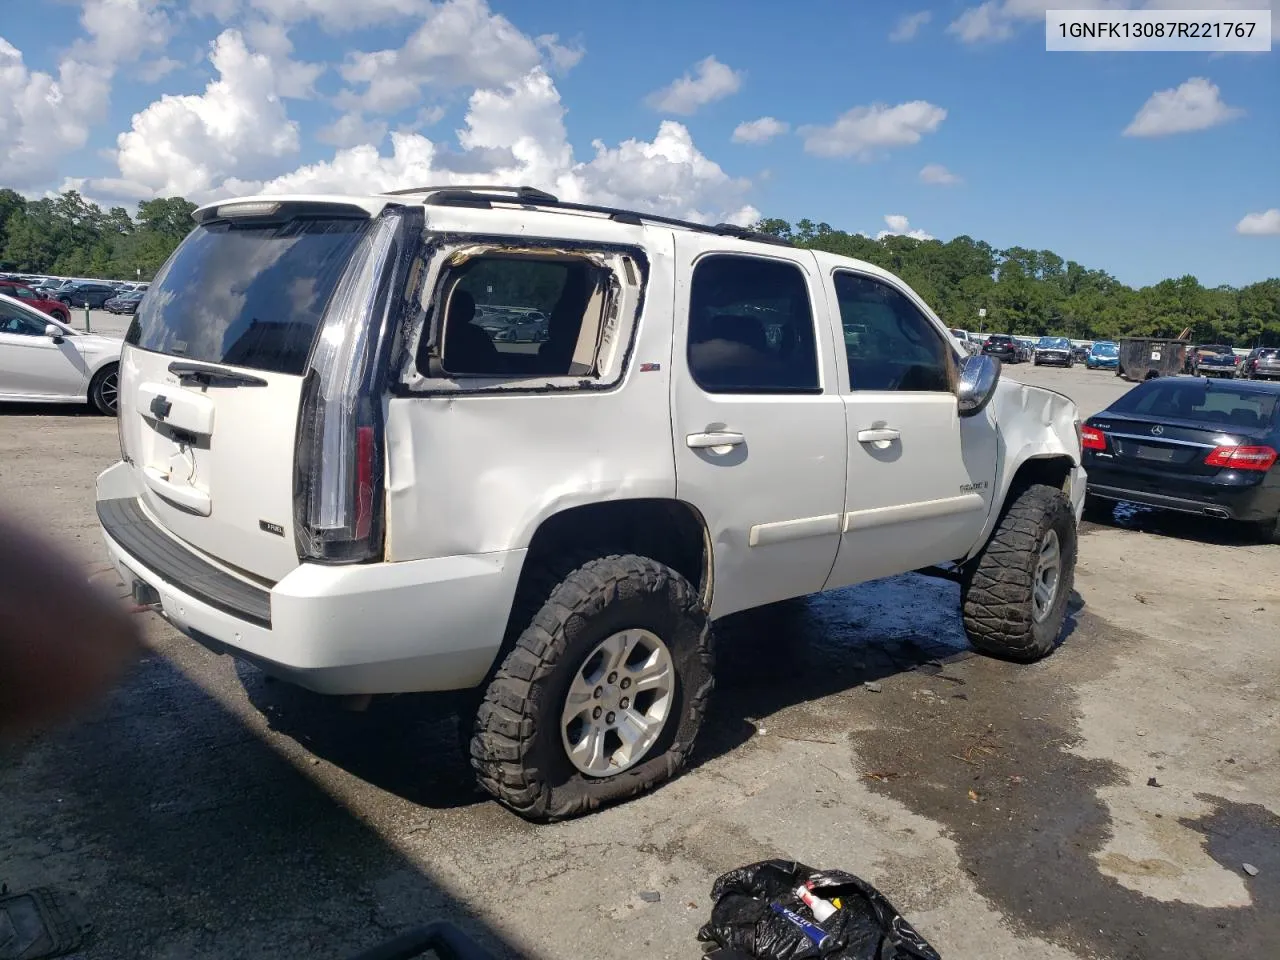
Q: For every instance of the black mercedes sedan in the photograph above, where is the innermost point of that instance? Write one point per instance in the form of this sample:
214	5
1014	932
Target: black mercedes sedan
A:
1193	445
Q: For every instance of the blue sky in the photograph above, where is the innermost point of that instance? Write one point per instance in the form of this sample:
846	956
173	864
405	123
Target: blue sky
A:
1144	164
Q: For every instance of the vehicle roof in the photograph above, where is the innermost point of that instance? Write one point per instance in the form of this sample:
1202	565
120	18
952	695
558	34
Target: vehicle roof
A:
529	214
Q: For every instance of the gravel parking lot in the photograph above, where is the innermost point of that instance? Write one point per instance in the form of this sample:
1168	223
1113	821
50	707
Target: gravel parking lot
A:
1101	803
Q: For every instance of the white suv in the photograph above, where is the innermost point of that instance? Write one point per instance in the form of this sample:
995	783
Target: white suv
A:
332	470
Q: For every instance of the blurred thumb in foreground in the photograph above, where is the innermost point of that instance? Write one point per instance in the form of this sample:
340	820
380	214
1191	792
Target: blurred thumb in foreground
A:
63	642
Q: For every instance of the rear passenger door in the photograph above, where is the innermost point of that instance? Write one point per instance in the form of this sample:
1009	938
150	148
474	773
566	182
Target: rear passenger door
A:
760	440
920	476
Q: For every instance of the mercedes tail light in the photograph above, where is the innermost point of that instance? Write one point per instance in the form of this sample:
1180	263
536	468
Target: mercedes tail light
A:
338	483
1091	438
1242	458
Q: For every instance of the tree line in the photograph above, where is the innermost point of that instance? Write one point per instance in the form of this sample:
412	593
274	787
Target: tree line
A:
1026	292
1037	293
68	236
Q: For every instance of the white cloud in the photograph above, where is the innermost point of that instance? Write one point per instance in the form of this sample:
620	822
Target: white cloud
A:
899	226
428	117
561	57
984	22
1266	223
909	26
236	137
666	175
1195	105
516	134
295	79
338	15
710	81
936	173
459	44
238	127
759	131
43	116
153	71
858	132
121	31
351	129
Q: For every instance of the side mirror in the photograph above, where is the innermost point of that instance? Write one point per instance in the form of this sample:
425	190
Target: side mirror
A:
53	331
979	375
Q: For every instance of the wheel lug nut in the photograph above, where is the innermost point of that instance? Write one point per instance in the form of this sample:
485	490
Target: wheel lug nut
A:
599	692
595	714
609	717
626	682
613	677
624	703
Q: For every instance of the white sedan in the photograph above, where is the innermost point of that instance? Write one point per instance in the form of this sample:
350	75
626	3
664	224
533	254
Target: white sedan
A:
45	361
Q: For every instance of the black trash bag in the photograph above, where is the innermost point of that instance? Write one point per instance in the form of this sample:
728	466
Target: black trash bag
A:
758	912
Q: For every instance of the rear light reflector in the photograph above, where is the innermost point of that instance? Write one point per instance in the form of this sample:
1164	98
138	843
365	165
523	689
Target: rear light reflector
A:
365	452
1091	438
1242	458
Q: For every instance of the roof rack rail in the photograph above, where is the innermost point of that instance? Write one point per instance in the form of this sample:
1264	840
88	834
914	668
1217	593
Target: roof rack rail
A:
483	197
525	192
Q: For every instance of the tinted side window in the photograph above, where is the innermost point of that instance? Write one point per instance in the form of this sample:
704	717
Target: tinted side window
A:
751	327
889	343
12	320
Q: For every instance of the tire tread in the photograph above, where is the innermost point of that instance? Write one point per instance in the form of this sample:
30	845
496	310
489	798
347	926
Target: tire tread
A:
996	592
506	721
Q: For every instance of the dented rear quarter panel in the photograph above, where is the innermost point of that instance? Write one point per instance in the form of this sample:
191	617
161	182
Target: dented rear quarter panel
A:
478	473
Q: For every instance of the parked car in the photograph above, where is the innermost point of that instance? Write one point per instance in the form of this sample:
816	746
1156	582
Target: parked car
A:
34	298
1215	361
43	360
1103	355
1192	445
124	303
1080	351
1054	350
1003	346
1263	363
311	459
93	294
1026	348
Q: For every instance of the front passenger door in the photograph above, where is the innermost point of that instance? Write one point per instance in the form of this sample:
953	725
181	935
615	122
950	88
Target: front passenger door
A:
920	476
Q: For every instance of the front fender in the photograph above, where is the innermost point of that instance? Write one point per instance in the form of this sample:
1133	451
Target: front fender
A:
1033	423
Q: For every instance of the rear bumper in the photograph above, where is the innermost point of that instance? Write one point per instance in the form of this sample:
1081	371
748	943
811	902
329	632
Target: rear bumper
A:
1247	503
420	625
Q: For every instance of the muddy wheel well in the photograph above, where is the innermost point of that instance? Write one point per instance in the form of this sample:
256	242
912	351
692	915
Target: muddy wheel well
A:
669	531
1051	471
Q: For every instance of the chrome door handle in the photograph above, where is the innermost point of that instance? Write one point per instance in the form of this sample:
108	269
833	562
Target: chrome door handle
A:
719	438
879	435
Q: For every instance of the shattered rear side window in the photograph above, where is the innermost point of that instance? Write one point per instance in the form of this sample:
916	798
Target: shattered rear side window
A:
513	314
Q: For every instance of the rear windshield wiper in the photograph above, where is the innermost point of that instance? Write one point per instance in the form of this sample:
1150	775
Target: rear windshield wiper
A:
209	372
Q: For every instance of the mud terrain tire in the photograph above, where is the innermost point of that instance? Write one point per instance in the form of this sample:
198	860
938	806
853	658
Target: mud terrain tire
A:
517	749
996	593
